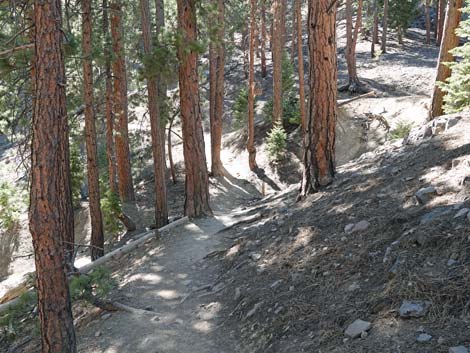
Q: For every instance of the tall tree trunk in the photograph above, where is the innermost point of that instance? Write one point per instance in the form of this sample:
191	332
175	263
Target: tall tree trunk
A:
245	49
217	65
197	181
384	27
354	84
126	187
109	116
162	86
50	211
251	93
97	235
449	41
428	22
278	44
441	15
300	58
319	151
263	39
293	35
375	29
158	149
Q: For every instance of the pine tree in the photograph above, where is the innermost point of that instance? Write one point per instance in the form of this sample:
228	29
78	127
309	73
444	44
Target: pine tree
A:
251	92
50	213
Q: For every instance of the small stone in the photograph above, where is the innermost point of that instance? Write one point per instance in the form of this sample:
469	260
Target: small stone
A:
451	262
410	309
361	226
458	349
97	333
255	256
462	213
441	340
254	310
364	334
238	293
349	228
424	195
357	328
106	316
276	283
423	338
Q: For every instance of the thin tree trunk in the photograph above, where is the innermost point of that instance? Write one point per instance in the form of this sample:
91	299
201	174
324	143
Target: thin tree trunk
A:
97	235
217	65
319	151
384	28
354	84
197	180
263	39
375	29
293	36
278	45
428	22
449	41
158	150
300	58
170	152
251	94
162	86
110	151
441	15
50	211
126	187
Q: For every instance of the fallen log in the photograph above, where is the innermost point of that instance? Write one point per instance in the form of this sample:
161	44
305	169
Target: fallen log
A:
141	239
343	102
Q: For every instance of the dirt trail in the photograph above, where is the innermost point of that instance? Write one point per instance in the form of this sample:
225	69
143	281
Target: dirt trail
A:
169	278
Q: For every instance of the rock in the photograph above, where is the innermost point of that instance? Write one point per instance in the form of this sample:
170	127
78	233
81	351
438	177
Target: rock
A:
364	334
357	227
254	310
451	262
410	309
458	349
423	338
441	340
255	256
357	328
424	195
434	215
462	213
106	316
97	333
276	284
238	294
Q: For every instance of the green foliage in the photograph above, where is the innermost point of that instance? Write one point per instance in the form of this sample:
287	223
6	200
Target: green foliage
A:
12	203
290	100
240	108
99	283
17	320
110	208
401	13
401	131
457	86
276	143
76	172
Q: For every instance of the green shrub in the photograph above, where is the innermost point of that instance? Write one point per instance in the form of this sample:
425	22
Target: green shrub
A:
457	86
99	282
111	209
240	108
276	143
17	320
401	130
11	200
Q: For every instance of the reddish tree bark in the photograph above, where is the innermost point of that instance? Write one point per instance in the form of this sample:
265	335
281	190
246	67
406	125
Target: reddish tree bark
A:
449	41
375	29
300	58
109	116
354	85
441	15
278	44
158	149
123	158
217	64
263	38
50	212
97	235
319	150
251	92
197	181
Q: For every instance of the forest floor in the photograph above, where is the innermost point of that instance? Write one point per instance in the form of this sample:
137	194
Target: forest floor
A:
293	280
